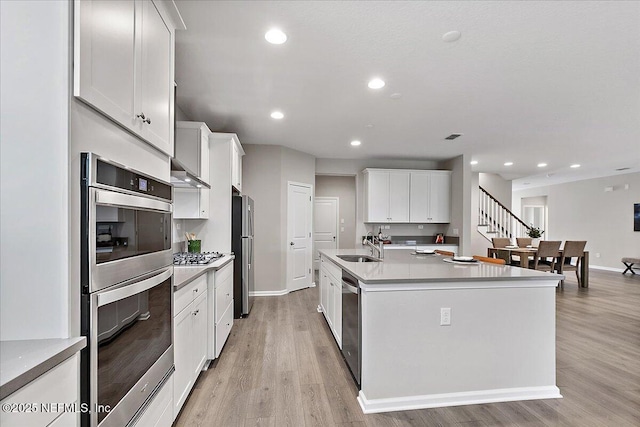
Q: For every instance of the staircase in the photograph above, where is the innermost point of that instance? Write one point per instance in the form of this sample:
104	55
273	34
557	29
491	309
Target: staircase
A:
496	220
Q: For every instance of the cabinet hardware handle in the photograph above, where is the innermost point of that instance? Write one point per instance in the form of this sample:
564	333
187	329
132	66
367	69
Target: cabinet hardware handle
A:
228	295
144	119
195	290
195	313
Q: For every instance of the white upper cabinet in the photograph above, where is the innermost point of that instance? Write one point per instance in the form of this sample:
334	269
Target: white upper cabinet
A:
192	148
124	64
430	199
386	195
236	166
407	196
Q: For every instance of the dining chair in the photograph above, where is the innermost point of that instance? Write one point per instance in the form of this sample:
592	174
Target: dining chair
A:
500	242
572	249
499	261
446	253
546	249
523	242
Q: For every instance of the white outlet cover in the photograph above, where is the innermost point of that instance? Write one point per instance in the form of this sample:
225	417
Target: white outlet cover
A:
445	316
341	220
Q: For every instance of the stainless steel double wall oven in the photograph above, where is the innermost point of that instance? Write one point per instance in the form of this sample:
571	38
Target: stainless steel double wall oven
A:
126	302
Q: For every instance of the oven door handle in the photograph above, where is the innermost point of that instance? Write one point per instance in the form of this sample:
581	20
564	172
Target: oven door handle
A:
134	288
113	198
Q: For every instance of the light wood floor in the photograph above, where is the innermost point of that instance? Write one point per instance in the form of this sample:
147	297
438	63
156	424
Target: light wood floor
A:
281	367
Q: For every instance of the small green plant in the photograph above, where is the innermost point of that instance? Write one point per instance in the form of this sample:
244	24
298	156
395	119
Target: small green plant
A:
534	232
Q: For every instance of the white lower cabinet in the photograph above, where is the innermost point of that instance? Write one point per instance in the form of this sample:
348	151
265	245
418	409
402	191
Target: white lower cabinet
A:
221	287
60	385
331	297
190	341
160	412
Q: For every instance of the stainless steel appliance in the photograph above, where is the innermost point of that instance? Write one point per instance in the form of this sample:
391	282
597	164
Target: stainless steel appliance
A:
351	325
188	258
242	246
126	282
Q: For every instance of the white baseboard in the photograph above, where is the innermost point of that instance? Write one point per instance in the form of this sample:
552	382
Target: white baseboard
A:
456	399
599	267
269	293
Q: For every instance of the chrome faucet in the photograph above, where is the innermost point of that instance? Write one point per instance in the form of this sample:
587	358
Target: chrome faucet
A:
379	247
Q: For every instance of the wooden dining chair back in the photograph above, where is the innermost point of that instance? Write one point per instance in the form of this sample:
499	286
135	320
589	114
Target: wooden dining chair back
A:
546	249
523	242
572	249
499	261
500	242
446	253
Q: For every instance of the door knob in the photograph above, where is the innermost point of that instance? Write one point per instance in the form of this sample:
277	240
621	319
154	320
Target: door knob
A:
291	243
334	237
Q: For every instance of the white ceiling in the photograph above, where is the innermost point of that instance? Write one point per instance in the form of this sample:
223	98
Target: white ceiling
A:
528	82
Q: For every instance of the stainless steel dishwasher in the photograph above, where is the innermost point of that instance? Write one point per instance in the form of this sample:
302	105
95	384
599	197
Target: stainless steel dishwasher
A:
351	331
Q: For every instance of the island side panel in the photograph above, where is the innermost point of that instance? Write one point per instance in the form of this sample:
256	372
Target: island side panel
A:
500	345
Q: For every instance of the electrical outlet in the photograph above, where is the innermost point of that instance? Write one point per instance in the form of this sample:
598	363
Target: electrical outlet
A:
445	317
177	226
341	220
420	226
387	227
342	229
455	231
597	254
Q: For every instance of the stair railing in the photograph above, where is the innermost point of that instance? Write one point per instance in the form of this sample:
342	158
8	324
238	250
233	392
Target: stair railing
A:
500	220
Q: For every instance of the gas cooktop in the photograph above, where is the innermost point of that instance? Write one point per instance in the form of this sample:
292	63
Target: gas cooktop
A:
188	258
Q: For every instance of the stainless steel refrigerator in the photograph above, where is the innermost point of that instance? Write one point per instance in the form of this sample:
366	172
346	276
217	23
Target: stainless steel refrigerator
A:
242	246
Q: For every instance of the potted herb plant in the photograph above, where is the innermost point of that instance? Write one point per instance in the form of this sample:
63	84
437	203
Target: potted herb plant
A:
535	233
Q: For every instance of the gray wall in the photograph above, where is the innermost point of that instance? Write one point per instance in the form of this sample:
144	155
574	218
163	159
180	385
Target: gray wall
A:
344	188
34	98
266	170
582	210
497	186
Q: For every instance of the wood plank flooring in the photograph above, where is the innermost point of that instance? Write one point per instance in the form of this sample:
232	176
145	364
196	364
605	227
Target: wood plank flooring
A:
281	367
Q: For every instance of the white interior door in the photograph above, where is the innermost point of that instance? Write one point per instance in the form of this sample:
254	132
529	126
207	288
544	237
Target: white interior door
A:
325	226
299	243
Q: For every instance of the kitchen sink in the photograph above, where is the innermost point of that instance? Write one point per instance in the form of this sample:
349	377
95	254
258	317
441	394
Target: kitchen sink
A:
358	258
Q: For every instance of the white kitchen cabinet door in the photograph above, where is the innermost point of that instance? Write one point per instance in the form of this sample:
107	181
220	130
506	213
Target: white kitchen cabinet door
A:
205	153
154	80
190	203
440	197
324	292
377	196
159	413
398	196
419	197
236	166
182	355
104	59
199	335
223	328
337	312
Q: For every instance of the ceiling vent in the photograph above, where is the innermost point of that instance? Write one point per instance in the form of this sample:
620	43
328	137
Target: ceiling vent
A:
622	169
453	136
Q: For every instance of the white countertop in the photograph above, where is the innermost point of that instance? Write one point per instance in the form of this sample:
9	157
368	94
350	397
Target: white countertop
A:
23	361
400	266
184	274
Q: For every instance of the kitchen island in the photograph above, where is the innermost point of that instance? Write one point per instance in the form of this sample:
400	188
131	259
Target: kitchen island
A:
498	345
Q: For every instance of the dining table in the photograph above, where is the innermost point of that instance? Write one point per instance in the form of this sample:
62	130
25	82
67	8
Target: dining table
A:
525	253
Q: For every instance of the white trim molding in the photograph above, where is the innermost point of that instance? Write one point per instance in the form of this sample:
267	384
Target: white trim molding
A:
407	403
269	293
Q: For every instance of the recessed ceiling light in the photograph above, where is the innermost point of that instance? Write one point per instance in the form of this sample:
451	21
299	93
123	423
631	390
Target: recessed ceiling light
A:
473	162
275	36
526	183
199	185
376	83
277	115
451	36
187	180
355	143
508	163
542	165
396	95
575	166
369	126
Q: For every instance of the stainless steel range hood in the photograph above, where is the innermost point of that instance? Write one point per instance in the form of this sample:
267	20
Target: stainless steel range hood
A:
181	177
